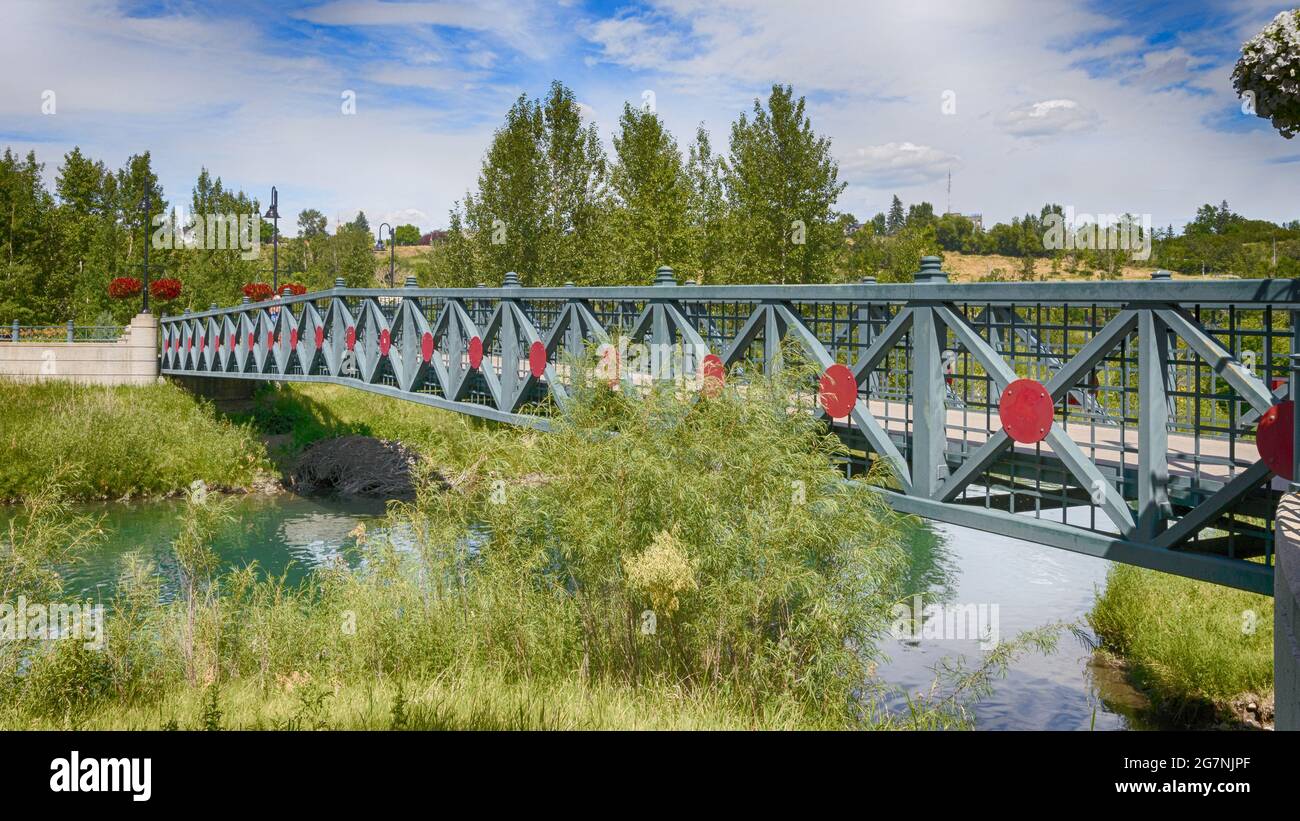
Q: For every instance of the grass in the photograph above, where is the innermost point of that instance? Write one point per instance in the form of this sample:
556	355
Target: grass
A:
307	413
460	700
119	442
1192	646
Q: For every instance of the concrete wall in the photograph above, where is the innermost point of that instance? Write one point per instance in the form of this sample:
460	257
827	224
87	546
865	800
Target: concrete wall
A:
131	360
1286	615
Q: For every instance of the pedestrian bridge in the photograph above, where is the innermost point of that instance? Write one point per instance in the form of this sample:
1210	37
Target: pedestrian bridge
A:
1144	422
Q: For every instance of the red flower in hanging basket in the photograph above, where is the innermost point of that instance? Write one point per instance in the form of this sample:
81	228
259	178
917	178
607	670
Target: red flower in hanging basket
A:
258	291
124	288
165	290
295	288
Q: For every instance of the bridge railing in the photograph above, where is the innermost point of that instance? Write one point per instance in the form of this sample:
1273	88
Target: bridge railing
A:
1148	422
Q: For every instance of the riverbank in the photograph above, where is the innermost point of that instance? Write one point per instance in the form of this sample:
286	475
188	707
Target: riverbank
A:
121	442
1202	653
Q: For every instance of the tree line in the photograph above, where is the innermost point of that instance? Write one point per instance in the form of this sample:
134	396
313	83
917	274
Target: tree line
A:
552	205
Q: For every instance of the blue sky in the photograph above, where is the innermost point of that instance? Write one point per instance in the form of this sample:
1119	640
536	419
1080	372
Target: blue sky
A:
1109	107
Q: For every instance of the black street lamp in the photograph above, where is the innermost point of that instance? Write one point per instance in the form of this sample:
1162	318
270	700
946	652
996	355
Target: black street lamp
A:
392	249
273	214
146	205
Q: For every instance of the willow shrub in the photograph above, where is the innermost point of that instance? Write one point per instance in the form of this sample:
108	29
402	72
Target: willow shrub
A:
659	539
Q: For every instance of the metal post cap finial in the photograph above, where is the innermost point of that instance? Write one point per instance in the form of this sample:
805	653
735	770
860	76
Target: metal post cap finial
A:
665	276
411	281
931	270
243	301
570	284
339	282
286	291
1161	275
511	280
868	280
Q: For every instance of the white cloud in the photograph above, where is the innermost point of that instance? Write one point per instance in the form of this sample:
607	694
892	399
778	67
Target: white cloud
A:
898	164
1049	118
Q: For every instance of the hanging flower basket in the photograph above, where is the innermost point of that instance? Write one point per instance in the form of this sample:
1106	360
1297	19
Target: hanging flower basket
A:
124	288
295	288
165	290
258	291
1267	77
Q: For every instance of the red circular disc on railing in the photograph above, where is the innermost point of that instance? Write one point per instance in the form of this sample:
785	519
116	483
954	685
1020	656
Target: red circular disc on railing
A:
475	352
232	340
537	359
426	347
293	338
1273	438
385	341
714	375
320	336
351	338
839	391
1026	411
251	341
270	339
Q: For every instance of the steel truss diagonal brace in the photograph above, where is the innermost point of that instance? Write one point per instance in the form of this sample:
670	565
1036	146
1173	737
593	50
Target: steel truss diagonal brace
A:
861	415
1227	366
1064	447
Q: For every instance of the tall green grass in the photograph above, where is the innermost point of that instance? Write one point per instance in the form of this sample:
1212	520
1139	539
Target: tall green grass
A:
116	442
1191	645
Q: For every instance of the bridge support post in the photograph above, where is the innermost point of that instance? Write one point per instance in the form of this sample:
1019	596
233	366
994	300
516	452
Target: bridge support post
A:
1286	615
929	425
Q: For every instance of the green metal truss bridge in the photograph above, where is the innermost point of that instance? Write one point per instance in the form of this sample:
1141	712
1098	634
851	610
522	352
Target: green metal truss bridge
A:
1144	422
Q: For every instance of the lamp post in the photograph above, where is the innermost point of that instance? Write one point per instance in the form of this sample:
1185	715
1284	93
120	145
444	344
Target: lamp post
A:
392	249
147	206
273	214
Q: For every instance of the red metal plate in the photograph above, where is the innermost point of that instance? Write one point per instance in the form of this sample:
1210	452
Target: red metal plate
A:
1026	411
385	341
537	359
1274	438
475	352
270	339
715	375
839	391
352	338
320	336
293	338
232	340
250	340
426	347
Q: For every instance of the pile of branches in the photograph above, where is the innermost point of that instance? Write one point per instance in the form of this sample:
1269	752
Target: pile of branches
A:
357	466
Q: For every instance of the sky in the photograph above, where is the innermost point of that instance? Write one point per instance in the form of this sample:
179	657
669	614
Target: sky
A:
1105	107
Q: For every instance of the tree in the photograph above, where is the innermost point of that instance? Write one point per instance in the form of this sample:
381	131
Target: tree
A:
895	221
707	207
360	223
920	215
653	194
311	224
407	235
782	184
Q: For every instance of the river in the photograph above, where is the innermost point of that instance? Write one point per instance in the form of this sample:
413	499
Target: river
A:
965	570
